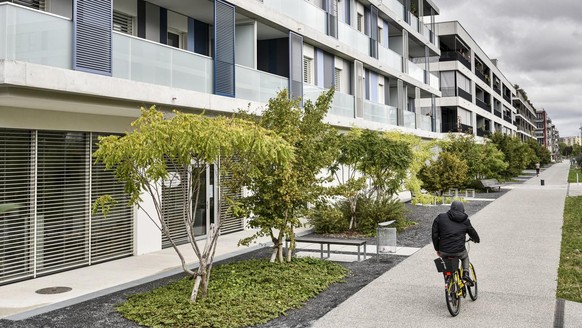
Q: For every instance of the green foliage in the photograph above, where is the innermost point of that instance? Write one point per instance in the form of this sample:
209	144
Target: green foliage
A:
570	269
329	219
518	155
542	154
371	211
159	149
422	151
280	195
243	294
483	160
447	171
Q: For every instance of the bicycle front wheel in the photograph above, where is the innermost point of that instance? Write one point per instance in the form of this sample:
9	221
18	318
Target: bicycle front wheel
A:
473	290
452	295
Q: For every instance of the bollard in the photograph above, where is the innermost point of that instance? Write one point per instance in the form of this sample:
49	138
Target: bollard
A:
542	182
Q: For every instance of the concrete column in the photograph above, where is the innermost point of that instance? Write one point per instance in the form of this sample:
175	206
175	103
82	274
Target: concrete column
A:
402	91
405	51
417	110
420	5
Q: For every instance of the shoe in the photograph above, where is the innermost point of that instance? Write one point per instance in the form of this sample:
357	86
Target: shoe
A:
467	279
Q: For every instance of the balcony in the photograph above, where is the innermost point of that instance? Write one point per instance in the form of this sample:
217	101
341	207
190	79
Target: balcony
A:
301	11
256	85
482	132
380	113
434	81
481	76
455	127
389	57
464	94
416	72
146	61
358	40
497	89
414	22
396	7
497	113
35	37
507	98
453	55
409	120
483	105
342	104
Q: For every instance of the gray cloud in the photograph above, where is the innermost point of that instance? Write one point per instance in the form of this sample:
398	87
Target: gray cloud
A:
538	45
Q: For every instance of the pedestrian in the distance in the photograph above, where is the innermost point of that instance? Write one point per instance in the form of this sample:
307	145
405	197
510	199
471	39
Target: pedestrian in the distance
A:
538	169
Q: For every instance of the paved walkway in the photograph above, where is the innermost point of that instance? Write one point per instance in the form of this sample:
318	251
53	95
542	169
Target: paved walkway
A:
516	263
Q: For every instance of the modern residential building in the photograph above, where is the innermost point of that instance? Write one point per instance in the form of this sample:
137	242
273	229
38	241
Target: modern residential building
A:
525	118
547	134
571	141
72	70
476	96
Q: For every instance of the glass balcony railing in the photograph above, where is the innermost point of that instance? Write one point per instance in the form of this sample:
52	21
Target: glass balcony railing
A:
354	38
35	37
409	119
416	72
342	104
434	81
414	23
141	60
425	123
389	57
255	85
396	7
300	11
380	113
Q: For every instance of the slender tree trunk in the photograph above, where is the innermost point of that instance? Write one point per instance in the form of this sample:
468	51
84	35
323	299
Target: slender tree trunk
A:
200	285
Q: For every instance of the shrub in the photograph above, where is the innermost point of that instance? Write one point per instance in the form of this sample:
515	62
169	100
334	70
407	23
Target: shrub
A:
371	211
329	218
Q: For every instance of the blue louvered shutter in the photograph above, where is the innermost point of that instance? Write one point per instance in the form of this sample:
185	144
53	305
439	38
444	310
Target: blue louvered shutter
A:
92	36
295	65
224	49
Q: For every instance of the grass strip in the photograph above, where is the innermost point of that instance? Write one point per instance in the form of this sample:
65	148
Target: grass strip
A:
570	270
241	294
572	175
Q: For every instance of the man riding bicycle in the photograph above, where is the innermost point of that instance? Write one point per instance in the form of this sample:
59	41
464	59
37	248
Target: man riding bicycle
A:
448	235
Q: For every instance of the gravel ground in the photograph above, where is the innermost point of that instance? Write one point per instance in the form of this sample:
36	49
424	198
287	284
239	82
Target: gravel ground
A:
100	312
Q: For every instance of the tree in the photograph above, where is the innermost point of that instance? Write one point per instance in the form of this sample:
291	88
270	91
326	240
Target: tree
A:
542	153
422	151
518	155
447	171
483	160
279	195
367	155
176	151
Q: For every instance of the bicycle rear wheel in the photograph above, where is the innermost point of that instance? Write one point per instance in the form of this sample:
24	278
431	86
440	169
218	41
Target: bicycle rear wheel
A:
473	290
452	295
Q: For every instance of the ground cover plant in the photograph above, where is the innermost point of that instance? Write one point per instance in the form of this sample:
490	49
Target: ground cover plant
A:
575	176
570	270
241	294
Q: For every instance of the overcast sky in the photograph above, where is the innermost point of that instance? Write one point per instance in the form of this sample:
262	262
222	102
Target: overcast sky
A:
539	47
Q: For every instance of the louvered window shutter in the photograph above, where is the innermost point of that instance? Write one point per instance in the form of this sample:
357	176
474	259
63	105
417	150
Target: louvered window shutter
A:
92	36
122	22
224	79
296	66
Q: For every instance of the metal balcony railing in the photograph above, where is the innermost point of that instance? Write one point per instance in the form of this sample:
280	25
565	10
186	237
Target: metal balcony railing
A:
456	127
453	55
483	105
464	94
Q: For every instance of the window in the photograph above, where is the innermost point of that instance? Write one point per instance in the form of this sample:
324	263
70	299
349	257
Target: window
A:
122	22
173	40
307	70
338	75
360	22
36	4
380	36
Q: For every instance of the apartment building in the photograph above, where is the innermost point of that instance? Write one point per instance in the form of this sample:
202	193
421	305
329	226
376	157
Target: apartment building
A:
476	96
547	134
72	70
571	141
525	118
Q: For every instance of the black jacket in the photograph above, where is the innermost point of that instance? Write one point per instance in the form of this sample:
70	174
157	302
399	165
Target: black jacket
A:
449	229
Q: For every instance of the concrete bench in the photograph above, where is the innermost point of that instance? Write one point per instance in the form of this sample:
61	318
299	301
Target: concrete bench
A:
490	184
328	242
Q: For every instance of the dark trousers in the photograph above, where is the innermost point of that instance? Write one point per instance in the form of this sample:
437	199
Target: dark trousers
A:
464	256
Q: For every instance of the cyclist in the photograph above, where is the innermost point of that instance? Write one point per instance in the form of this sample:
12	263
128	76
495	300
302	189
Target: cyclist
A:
448	235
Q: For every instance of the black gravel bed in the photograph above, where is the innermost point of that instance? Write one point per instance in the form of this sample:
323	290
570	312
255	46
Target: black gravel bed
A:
100	312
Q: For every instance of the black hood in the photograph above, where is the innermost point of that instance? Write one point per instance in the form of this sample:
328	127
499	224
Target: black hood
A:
457	212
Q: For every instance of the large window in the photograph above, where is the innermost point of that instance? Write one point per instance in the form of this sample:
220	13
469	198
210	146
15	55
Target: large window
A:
50	175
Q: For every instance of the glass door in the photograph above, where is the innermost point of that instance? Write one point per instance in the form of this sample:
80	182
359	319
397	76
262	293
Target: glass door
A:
204	213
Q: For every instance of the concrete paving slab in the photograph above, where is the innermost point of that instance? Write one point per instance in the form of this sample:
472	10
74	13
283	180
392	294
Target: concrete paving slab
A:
572	315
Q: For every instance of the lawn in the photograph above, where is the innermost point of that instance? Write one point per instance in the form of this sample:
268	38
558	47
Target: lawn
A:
570	270
241	294
572	175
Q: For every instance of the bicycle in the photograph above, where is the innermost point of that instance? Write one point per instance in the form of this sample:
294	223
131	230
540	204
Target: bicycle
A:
455	287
